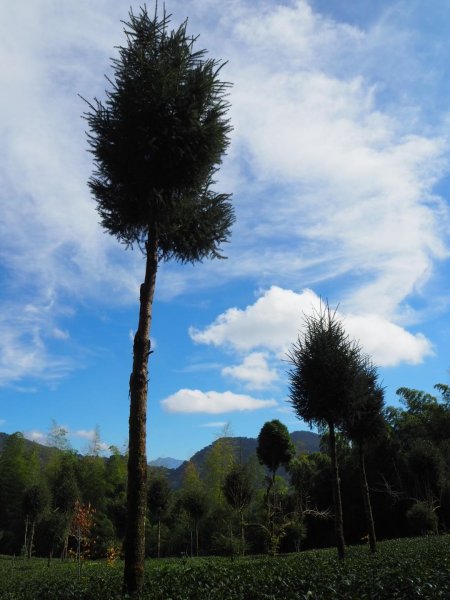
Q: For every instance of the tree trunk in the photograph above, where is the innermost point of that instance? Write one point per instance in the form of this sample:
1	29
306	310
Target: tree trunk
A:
25	541
31	540
196	538
134	545
337	500
242	534
366	499
159	538
79	551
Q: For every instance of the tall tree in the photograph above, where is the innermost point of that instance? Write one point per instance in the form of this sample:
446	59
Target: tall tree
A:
274	449
157	141
158	497
15	477
35	502
324	363
363	423
238	491
219	460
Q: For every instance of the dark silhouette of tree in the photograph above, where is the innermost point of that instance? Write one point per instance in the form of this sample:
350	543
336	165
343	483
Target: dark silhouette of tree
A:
35	502
364	423
158	498
274	449
238	491
325	362
195	503
157	141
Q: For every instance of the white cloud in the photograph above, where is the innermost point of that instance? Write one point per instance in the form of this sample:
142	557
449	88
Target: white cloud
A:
254	371
325	162
86	434
24	353
196	401
271	322
36	436
275	319
218	424
91	435
387	343
60	334
329	178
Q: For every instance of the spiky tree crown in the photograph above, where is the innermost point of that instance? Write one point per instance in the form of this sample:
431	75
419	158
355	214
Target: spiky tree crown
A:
365	420
157	141
325	363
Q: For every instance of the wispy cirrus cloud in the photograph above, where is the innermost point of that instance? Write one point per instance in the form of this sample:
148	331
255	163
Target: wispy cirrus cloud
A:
329	152
215	424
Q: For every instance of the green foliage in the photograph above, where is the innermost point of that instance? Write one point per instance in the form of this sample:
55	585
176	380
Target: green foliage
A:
158	496
219	460
237	488
364	420
275	447
157	142
416	569
422	519
325	362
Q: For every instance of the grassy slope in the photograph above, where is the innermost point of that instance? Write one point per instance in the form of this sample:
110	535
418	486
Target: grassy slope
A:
402	569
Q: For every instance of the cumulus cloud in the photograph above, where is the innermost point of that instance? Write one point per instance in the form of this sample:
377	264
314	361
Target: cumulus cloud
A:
254	371
387	343
36	436
86	434
196	401
92	436
275	319
271	322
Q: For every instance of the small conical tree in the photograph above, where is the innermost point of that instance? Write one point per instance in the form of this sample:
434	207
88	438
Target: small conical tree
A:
363	423
325	362
157	141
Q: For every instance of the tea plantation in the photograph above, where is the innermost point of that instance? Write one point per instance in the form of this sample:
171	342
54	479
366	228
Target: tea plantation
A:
402	569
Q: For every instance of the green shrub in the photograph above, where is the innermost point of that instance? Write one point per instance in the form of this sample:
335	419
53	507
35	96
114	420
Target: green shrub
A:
422	519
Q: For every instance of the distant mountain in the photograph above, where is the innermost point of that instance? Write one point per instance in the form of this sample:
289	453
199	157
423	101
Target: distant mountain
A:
304	441
168	463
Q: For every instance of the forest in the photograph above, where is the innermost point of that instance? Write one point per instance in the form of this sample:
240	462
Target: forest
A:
55	502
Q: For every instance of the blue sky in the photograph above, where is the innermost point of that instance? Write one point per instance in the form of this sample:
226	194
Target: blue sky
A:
339	170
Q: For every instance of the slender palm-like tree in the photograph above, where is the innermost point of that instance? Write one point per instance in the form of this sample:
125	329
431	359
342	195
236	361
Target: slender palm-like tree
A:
157	141
325	362
363	423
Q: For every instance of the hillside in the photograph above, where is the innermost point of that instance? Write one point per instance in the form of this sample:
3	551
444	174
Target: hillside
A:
44	452
304	441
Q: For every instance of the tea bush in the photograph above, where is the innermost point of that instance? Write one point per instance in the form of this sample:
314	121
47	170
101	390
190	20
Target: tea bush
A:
409	569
